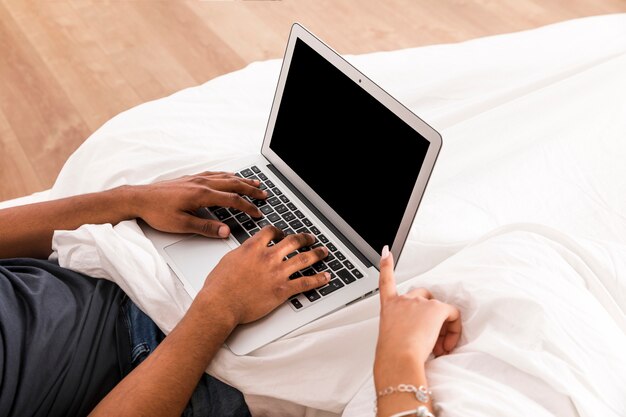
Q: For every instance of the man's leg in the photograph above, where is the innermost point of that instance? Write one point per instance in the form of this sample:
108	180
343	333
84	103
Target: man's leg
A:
210	398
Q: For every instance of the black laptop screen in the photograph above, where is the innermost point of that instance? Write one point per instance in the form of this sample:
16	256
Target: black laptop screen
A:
356	154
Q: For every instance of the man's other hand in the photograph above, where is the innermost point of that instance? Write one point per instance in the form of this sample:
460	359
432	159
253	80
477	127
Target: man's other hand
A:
168	206
252	280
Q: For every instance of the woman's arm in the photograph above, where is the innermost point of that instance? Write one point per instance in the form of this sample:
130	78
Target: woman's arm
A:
247	284
26	231
411	327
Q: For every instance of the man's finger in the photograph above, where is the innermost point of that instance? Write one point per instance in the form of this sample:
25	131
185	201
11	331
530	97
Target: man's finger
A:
226	199
305	259
306	283
267	234
295	242
387	281
209	228
237	185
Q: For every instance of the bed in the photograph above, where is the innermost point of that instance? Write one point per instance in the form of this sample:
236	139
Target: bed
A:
523	224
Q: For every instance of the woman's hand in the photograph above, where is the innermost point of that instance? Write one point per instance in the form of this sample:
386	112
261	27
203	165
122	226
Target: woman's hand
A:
168	206
411	327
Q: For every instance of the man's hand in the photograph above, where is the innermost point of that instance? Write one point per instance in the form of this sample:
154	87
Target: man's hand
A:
168	206
253	279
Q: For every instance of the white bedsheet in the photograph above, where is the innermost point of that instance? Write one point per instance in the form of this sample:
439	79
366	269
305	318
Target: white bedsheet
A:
533	126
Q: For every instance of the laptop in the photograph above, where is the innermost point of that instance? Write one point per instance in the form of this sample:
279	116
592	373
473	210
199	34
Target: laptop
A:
341	159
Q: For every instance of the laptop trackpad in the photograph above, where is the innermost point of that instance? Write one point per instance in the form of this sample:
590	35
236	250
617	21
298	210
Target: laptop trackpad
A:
195	257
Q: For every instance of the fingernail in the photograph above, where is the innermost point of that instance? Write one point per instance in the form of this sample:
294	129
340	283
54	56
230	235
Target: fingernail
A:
223	231
265	193
326	276
385	253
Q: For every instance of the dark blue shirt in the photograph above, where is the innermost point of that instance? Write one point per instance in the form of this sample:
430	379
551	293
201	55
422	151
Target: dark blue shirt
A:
63	344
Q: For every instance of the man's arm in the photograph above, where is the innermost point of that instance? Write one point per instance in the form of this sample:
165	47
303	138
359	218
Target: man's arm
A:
247	284
26	231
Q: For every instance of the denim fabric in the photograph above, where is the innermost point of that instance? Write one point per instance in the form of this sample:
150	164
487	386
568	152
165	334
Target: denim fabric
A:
211	398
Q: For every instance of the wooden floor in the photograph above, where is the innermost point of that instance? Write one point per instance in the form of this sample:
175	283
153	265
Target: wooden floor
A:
68	66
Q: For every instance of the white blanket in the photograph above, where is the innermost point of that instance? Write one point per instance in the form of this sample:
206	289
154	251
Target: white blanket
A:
533	126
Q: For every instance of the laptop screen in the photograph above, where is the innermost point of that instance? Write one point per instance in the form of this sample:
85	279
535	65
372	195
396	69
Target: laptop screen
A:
356	154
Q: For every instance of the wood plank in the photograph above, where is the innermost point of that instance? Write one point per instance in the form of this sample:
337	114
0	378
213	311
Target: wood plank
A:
35	106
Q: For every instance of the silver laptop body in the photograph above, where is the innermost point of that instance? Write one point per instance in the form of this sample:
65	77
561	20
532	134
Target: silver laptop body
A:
332	139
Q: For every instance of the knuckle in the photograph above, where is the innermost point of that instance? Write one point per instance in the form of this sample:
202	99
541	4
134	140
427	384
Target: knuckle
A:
303	259
305	284
208	228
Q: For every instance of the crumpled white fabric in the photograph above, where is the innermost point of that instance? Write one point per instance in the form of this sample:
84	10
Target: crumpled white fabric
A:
533	126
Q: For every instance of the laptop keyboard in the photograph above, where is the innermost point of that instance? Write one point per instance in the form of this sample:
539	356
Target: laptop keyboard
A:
279	211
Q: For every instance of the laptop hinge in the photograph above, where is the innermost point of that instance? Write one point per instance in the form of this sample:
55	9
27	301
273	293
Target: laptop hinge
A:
319	215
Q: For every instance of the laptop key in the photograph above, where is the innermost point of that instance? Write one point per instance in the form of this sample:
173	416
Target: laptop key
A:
340	256
276	191
262	186
259	203
312	295
247	173
269	193
289	216
299	214
331	287
357	273
233	211
346	276
315	230
242	217
335	265
266	209
323	238
283	198
348	265
289	232
262	223
269	184
309	272
319	266
254	231
295	275
303	230
255	169
292	206
307	222
273	201
262	176
281	224
221	214
236	230
291	255
280	208
331	247
297	304
296	224
249	225
273	217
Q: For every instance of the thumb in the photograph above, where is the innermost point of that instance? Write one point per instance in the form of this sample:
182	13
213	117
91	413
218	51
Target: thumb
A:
205	227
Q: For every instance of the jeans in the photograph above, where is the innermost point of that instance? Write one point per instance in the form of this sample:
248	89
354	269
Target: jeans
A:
211	398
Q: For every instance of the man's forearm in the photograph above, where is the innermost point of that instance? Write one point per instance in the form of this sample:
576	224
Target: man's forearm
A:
162	385
26	231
